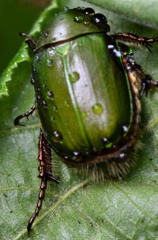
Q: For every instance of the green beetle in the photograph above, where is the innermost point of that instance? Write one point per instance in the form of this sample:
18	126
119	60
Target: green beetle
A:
87	90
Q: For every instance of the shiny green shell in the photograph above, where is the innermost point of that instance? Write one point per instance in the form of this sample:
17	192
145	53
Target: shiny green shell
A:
82	91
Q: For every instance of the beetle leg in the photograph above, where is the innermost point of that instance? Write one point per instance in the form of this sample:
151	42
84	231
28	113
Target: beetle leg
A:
142	81
27	114
136	40
45	173
147	84
30	41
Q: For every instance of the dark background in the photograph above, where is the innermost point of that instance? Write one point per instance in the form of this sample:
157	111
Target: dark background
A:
16	16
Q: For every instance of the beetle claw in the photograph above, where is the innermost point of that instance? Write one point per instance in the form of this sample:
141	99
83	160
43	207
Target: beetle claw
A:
27	114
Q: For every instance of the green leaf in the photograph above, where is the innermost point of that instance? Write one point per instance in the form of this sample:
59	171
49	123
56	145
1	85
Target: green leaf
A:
76	208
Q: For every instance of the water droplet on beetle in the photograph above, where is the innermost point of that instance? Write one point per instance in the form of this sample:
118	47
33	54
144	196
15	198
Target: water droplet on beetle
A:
34	70
49	62
37	89
55	108
121	155
105	140
37	58
88	11
44	103
38	98
74	77
45	34
53	119
78	19
76	155
110	46
32	81
57	136
66	9
51	52
99	19
125	129
97	108
86	22
50	94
